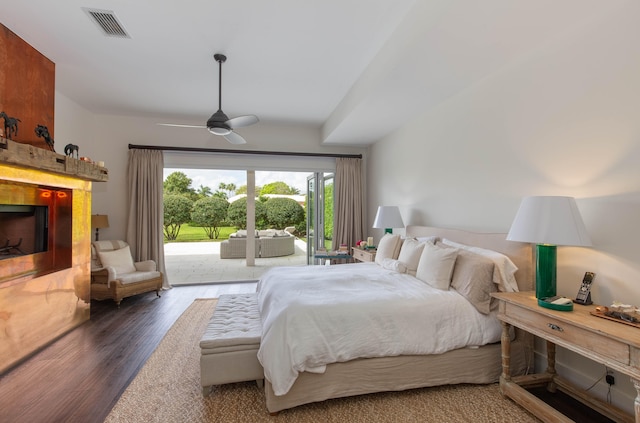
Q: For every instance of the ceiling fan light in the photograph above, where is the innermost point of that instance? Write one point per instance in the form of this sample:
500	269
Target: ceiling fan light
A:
219	130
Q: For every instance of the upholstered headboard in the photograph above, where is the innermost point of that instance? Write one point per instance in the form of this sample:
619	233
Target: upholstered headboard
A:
520	253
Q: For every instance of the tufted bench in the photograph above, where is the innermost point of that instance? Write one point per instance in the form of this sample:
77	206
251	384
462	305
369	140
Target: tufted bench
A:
229	346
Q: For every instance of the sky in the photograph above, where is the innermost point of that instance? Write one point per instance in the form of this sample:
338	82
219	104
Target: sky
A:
213	178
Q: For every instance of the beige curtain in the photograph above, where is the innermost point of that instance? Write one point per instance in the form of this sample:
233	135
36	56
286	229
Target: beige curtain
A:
348	220
146	211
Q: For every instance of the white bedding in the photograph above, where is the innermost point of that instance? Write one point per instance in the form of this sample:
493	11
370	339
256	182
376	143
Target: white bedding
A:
316	315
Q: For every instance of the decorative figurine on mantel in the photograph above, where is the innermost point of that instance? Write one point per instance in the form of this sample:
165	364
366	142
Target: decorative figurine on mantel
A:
10	125
43	132
70	150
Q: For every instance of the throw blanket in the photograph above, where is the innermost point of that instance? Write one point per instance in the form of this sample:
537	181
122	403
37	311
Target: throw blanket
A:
316	315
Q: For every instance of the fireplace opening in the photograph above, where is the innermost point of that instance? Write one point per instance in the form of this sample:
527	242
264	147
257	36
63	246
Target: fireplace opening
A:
23	230
35	229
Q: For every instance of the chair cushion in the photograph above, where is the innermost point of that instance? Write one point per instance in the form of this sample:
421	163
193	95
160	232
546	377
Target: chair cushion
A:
137	277
121	260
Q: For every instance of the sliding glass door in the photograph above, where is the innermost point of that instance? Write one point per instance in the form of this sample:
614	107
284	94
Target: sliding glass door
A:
319	213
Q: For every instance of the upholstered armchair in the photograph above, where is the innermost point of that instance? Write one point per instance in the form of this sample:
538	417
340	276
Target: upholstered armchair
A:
114	274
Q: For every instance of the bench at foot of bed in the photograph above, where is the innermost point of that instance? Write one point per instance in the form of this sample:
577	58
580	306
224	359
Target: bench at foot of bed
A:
229	346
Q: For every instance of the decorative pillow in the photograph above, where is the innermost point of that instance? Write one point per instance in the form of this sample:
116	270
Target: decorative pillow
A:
395	265
110	244
120	260
410	254
436	266
388	247
429	239
505	270
473	279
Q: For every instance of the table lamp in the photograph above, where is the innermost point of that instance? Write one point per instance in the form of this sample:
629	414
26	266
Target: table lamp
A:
548	222
99	221
388	217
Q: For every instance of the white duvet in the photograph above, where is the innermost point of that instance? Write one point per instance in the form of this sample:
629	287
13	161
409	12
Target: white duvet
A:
316	315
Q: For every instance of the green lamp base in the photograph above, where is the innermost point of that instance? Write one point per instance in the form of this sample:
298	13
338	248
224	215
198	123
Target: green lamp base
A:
545	270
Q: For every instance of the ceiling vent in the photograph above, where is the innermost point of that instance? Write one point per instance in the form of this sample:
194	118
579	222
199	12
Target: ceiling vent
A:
108	22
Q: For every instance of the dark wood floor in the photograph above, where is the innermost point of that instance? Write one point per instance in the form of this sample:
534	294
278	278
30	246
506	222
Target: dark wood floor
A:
80	377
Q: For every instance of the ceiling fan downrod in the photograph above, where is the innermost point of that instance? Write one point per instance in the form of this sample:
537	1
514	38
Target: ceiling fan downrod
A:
220	58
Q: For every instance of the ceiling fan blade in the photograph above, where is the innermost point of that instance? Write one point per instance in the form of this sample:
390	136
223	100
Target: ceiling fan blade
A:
240	121
181	126
234	138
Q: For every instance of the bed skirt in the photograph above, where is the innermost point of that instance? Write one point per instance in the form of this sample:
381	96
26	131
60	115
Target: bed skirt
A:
480	365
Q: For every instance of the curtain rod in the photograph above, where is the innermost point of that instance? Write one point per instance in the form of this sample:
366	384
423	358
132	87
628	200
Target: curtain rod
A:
258	152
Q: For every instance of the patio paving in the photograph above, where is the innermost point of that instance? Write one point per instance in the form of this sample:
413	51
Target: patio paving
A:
189	263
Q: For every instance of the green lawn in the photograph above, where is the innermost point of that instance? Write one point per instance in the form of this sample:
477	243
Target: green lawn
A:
194	234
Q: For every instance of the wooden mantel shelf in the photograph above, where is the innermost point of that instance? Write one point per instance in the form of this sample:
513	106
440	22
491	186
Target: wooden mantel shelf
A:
26	155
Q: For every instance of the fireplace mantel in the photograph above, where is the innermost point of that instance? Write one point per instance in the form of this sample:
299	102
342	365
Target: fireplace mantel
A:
25	155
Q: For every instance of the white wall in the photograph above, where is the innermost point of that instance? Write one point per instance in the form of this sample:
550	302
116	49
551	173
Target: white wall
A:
106	138
562	120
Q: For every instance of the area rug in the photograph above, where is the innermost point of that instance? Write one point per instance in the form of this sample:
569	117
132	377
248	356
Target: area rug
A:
167	389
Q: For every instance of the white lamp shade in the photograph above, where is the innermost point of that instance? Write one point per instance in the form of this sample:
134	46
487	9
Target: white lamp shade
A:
388	217
549	220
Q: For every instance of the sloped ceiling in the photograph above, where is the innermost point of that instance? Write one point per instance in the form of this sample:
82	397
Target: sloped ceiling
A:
357	69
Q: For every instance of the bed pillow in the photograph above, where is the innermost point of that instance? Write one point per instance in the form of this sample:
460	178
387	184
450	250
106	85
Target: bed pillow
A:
436	266
473	279
429	239
121	260
505	270
395	265
388	247
410	253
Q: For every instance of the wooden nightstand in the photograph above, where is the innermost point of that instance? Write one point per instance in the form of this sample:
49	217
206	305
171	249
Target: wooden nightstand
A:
613	344
363	255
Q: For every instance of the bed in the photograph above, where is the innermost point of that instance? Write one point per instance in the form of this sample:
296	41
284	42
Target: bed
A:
291	306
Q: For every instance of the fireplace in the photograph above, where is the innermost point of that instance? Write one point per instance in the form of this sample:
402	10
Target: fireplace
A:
45	245
35	229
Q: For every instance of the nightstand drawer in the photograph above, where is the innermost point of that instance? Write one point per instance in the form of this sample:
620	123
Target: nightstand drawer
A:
363	255
568	333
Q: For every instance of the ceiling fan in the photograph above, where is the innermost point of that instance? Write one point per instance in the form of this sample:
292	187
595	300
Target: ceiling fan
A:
219	123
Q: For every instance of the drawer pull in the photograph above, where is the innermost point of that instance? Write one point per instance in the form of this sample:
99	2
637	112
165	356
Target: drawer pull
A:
555	327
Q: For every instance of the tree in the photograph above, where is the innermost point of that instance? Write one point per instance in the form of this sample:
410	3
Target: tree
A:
204	192
283	212
328	211
210	213
179	183
228	188
242	189
237	214
177	211
221	194
278	188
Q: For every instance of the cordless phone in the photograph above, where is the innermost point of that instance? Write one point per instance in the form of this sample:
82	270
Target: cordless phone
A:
584	293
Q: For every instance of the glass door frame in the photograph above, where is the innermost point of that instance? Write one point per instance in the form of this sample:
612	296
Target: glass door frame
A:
316	203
